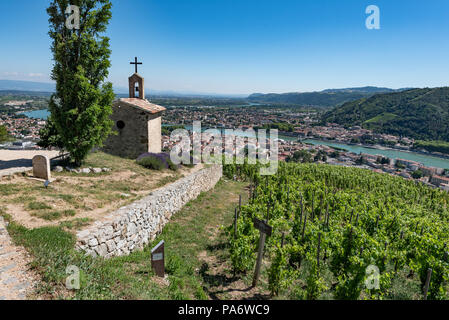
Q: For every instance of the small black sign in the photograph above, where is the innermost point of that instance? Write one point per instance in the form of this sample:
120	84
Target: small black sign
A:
263	227
158	259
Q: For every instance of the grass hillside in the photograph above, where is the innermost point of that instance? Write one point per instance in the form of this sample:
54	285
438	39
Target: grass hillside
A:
417	113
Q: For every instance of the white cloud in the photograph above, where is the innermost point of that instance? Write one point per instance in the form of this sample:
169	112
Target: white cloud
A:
10	74
35	75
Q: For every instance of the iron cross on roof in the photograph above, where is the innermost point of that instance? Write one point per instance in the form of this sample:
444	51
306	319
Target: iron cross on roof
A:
136	63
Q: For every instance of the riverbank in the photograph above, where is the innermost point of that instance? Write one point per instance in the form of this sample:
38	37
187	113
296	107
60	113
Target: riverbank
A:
425	159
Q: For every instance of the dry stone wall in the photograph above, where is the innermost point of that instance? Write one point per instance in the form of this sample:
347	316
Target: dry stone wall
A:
132	227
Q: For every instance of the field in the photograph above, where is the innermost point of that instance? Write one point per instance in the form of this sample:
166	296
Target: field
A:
335	229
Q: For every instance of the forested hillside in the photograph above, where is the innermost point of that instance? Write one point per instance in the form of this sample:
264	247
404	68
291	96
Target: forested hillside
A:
417	113
326	98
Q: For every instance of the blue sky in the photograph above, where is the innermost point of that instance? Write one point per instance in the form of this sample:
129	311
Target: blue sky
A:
247	46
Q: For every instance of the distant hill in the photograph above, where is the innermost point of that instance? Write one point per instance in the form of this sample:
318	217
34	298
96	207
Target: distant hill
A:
29	86
417	113
25	94
327	98
13	85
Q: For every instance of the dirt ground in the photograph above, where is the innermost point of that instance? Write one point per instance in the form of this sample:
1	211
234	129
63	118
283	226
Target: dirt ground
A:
77	200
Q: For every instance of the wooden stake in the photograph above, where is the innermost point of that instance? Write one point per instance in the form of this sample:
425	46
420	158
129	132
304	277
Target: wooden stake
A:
304	227
283	239
235	223
240	203
427	285
259	258
318	254
321	206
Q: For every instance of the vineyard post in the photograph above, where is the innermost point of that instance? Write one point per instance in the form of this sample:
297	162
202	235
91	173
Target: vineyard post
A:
304	227
235	223
321	206
318	254
240	203
264	229
426	286
259	257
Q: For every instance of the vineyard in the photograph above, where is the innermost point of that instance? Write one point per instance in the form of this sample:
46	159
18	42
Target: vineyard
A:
343	233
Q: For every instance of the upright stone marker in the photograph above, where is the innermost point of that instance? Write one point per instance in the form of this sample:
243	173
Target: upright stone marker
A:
158	259
41	167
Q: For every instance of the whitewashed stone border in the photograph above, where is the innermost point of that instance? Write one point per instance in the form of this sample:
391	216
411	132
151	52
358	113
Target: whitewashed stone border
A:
132	227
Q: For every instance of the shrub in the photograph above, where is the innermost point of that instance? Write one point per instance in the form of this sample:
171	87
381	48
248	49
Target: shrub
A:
156	161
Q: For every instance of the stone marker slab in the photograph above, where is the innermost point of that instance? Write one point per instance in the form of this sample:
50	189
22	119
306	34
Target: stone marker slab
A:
41	167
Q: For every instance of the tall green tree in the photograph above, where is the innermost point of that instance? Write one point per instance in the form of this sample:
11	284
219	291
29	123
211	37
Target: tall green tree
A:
4	136
81	107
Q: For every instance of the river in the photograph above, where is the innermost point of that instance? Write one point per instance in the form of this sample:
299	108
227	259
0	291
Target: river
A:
426	160
37	114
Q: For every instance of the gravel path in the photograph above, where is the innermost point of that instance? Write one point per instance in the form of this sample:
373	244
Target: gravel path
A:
16	280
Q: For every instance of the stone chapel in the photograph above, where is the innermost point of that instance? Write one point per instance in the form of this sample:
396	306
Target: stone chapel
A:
137	123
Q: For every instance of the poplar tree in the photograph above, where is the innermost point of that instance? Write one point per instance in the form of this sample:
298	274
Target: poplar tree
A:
4	136
81	107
